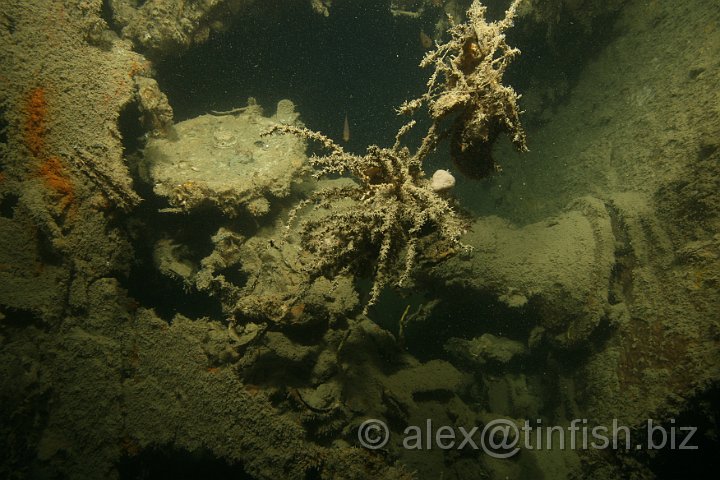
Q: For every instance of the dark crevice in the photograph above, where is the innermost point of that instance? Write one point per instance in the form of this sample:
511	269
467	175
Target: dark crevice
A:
442	396
701	461
8	204
175	463
131	129
23	420
466	314
107	14
21	318
3	125
46	251
152	289
167	296
234	275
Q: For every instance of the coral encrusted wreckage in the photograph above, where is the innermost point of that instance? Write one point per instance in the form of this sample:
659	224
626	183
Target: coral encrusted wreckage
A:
187	292
401	211
394	211
466	85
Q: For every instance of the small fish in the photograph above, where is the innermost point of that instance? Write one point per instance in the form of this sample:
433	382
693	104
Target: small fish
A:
425	40
346	130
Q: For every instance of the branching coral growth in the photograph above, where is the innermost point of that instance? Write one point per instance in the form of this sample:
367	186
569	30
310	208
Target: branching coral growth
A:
393	212
394	209
467	83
